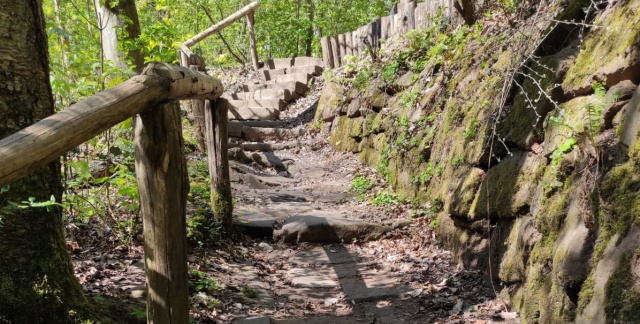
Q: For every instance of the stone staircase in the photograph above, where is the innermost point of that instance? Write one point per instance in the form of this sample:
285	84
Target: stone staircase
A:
280	82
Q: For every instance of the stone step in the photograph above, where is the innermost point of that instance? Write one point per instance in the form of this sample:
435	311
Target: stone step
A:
315	70
297	77
253	113
308	61
266	75
296	88
263	94
280	63
260	103
262	123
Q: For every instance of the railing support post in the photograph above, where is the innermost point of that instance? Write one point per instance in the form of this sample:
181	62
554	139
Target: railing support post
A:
216	121
252	40
163	183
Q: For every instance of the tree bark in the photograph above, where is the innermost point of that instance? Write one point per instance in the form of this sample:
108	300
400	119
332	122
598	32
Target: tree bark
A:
36	276
311	10
110	21
163	184
217	146
466	10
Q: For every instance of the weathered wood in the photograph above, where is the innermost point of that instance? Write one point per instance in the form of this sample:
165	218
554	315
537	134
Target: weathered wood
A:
264	147
252	40
221	25
386	27
343	47
197	113
405	19
335	50
48	139
376	32
420	15
217	146
348	40
327	52
162	176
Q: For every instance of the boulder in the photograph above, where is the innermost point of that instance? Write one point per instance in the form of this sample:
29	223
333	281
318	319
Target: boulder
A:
319	226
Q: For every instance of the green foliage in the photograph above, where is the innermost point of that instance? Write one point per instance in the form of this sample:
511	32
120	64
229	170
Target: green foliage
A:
409	98
595	108
361	185
199	281
386	198
470	132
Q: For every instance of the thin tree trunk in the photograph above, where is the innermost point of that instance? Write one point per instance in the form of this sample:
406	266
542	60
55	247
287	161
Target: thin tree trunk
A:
109	22
36	276
163	184
309	41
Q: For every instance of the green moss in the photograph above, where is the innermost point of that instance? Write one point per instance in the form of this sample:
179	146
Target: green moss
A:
602	47
586	293
622	299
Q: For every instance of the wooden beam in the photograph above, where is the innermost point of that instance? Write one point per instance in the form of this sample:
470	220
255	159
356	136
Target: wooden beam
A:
252	41
335	49
48	139
221	25
217	152
163	184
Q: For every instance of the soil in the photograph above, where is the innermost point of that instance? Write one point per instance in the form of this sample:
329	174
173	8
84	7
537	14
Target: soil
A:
404	277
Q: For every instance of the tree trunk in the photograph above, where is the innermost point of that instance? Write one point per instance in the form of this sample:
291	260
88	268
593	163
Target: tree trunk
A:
466	10
309	41
36	276
163	184
217	145
109	22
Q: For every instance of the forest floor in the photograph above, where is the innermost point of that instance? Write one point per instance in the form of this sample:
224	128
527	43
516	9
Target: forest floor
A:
406	276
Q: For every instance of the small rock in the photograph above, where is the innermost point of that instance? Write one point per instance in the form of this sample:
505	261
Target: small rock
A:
265	246
330	301
509	315
237	305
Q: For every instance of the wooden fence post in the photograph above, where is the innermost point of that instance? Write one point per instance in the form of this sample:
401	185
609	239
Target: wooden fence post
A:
197	112
335	49
405	19
217	147
161	173
252	40
327	52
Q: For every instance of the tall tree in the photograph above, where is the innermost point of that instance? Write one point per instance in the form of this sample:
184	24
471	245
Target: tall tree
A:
36	277
114	17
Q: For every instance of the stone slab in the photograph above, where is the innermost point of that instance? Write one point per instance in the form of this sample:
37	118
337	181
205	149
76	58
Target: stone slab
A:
294	87
306	61
254	222
313	70
259	103
327	255
254	320
245	113
266	75
293	77
328	226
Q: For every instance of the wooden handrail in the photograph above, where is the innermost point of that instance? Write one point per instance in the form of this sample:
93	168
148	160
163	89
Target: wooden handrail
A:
248	11
48	139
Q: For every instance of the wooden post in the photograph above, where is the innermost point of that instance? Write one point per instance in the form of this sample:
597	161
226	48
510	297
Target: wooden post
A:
217	141
405	19
348	39
197	113
327	52
252	40
161	171
335	49
343	46
421	15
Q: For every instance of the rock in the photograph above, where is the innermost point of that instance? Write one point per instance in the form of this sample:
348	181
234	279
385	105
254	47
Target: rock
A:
609	55
630	121
508	187
238	154
254	320
318	226
254	223
522	238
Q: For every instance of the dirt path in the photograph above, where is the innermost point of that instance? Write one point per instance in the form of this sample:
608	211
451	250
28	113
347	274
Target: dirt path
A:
404	276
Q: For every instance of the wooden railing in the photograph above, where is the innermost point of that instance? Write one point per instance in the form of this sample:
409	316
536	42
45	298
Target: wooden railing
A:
161	170
410	15
247	11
